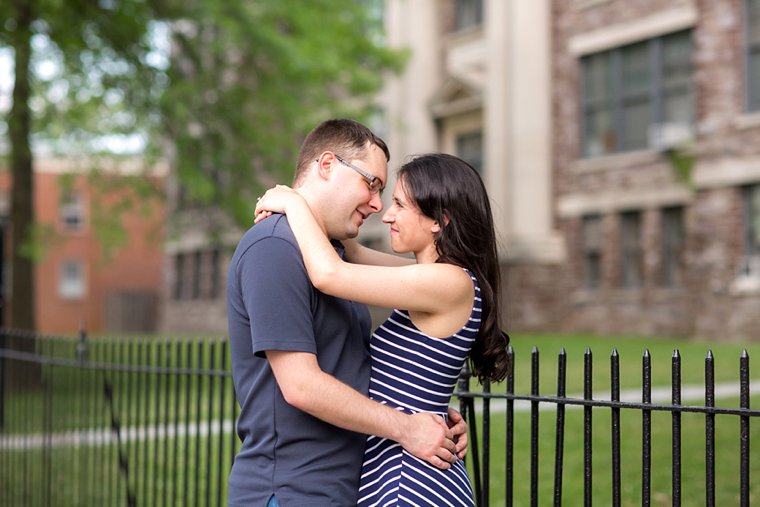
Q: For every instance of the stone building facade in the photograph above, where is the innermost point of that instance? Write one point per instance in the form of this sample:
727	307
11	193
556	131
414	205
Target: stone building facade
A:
197	253
478	84
656	165
620	144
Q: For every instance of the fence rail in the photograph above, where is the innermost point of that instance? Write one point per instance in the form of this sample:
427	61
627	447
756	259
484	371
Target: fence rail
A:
121	421
139	421
482	460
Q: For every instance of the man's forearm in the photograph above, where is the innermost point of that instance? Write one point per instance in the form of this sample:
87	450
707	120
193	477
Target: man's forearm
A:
332	401
306	387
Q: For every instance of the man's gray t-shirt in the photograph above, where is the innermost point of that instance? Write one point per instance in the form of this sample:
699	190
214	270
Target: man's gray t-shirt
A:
272	305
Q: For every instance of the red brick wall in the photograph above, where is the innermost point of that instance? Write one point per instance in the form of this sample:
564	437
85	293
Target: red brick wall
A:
135	267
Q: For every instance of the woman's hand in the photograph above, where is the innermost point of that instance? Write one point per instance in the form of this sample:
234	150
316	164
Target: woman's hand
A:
458	427
275	200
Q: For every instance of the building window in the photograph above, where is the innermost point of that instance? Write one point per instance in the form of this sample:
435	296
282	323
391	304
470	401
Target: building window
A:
592	251
753	55
468	14
672	245
627	89
470	149
197	274
179	276
216	258
631	253
71	212
71	284
752	230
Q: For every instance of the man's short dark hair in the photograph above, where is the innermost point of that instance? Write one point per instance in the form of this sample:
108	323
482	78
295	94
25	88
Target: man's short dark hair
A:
347	138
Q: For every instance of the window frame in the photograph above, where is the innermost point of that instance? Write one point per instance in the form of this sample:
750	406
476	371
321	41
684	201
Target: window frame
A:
72	204
197	275
592	254
751	229
216	282
461	23
462	140
752	95
631	257
65	283
613	99
180	260
671	264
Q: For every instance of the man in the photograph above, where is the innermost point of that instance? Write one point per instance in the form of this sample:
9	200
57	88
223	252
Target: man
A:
300	358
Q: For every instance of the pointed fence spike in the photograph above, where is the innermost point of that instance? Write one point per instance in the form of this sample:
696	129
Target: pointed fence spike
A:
745	354
614	352
709	354
646	353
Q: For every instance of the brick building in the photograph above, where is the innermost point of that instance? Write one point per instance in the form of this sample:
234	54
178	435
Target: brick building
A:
656	121
648	114
75	284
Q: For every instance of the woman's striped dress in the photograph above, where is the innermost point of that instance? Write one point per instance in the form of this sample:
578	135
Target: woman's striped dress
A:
414	372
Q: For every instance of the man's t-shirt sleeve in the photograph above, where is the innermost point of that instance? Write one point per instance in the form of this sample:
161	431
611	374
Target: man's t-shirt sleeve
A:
277	295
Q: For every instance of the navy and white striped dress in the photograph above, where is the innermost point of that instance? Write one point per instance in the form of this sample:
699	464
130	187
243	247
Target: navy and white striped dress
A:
414	372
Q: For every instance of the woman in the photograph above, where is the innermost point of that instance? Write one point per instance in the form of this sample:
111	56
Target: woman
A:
449	309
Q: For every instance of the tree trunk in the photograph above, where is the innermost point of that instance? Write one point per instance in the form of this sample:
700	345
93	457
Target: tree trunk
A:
22	314
26	375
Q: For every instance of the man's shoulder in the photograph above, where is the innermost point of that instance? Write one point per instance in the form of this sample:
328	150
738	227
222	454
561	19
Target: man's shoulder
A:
275	227
271	240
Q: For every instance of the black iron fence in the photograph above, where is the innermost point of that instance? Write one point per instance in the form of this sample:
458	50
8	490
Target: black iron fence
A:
114	421
149	421
701	447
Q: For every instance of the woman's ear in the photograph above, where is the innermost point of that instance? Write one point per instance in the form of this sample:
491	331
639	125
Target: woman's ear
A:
436	227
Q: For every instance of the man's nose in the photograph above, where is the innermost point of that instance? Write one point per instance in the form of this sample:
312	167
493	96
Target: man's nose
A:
376	203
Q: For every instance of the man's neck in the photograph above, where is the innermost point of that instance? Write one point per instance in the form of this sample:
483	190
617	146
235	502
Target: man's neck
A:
314	203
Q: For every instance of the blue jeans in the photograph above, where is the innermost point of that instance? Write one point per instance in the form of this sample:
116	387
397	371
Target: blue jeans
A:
273	502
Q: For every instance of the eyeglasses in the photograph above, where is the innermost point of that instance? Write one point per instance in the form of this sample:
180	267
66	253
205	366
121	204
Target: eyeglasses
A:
373	181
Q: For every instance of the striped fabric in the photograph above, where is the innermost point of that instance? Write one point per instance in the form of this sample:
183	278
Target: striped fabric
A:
414	372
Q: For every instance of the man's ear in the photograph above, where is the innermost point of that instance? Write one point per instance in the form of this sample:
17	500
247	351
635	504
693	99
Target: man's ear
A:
324	164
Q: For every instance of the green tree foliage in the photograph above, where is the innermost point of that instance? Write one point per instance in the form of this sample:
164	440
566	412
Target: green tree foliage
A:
75	63
249	79
225	88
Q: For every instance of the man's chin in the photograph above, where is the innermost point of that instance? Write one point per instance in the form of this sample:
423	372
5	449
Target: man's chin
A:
348	234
